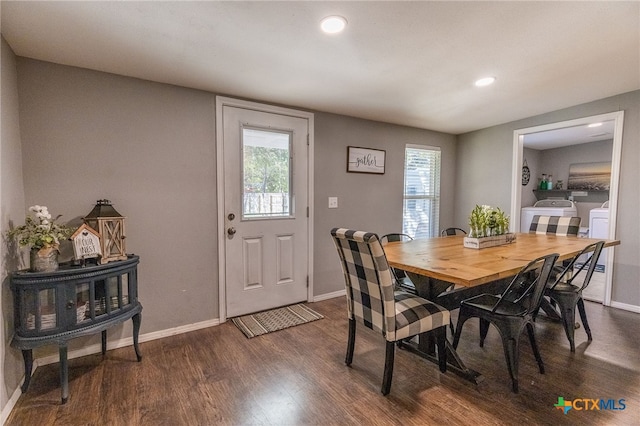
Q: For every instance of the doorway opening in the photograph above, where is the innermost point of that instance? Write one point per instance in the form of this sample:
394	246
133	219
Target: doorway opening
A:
556	129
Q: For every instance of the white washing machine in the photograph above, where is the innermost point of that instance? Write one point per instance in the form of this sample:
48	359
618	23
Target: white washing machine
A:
599	228
546	208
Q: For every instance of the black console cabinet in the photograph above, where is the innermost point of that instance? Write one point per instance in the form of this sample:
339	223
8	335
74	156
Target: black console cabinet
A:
55	307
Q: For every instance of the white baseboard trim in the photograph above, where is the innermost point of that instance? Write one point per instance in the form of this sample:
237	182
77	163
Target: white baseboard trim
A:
178	330
97	348
326	296
4	415
626	307
127	341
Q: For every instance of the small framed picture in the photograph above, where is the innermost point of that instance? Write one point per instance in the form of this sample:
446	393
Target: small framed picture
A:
365	160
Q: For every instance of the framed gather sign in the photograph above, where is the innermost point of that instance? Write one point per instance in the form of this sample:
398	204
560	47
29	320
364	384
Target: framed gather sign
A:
365	160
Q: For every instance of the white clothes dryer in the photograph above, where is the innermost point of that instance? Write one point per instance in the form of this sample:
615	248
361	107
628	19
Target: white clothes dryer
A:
546	208
599	228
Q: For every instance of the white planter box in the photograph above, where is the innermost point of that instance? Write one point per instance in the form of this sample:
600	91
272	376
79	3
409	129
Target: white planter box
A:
484	242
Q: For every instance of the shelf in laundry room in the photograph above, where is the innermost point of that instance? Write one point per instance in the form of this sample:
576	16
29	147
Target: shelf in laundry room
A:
593	196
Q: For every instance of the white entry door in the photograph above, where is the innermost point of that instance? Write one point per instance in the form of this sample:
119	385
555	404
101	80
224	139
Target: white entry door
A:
265	209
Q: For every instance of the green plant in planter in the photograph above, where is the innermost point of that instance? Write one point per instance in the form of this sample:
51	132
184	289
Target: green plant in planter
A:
486	221
42	233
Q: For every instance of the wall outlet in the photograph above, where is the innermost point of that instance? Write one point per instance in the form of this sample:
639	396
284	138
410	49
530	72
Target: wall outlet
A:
333	202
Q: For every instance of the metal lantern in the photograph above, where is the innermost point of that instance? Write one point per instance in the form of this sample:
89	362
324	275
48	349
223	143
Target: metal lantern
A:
110	225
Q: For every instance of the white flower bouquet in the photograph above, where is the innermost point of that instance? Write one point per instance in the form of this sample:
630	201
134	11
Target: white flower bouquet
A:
42	233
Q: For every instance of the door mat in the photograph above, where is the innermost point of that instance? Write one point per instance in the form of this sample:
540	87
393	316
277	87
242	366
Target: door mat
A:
275	319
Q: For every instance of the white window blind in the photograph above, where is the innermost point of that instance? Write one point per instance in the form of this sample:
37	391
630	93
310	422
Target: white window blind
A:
421	211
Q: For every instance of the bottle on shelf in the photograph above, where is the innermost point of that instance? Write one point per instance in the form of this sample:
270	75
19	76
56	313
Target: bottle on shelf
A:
550	182
543	182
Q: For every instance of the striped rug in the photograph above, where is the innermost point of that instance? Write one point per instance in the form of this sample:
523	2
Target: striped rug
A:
275	319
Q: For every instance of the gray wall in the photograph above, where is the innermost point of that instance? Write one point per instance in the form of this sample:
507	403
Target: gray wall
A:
532	156
11	211
557	161
150	148
365	201
485	156
147	147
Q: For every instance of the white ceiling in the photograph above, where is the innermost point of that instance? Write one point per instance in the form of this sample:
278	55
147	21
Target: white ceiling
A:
410	63
569	136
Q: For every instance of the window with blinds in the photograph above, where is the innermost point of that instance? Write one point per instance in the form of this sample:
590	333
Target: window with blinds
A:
420	217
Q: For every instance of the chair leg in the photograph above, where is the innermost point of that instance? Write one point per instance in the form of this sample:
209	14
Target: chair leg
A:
441	341
534	346
484	329
462	317
568	319
583	317
511	355
351	342
388	368
548	306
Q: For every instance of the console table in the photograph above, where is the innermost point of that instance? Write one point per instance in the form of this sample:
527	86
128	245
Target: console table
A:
55	307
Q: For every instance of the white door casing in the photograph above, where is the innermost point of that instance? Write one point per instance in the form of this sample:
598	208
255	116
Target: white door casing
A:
264	255
516	179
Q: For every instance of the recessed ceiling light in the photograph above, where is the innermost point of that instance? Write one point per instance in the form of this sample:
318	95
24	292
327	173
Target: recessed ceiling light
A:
595	125
485	81
333	24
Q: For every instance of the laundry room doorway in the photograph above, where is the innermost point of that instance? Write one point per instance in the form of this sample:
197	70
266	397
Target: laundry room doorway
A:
553	134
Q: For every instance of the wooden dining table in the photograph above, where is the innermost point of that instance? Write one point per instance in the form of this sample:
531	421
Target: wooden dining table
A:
446	272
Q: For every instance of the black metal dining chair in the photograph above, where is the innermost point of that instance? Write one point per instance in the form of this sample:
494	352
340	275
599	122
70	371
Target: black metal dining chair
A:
403	282
567	295
511	312
561	226
397	315
452	231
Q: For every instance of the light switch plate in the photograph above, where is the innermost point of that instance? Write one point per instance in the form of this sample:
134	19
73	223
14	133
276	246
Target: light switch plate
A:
333	202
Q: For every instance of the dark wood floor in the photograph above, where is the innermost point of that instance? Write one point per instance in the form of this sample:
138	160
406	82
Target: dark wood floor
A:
297	377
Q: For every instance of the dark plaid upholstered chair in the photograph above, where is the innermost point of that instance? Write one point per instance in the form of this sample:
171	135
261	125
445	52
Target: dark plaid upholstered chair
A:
556	225
568	295
511	312
371	299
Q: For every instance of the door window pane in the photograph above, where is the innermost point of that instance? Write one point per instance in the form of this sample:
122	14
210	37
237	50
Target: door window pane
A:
266	173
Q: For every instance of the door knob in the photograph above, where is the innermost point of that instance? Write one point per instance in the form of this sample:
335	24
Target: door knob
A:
231	231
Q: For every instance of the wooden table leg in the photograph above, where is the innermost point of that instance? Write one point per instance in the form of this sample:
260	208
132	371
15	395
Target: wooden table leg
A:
548	309
432	290
424	349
